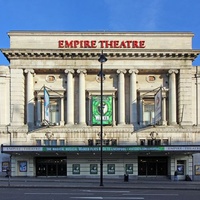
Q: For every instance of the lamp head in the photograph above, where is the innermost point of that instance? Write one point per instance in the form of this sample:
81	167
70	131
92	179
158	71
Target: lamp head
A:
102	58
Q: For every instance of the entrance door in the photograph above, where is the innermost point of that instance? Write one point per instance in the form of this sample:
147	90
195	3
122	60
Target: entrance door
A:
152	166
51	166
51	169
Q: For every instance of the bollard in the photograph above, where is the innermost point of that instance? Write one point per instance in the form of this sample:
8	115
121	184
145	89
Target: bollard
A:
126	177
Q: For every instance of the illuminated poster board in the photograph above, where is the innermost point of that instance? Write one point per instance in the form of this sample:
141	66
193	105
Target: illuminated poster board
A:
93	169
107	110
76	169
129	168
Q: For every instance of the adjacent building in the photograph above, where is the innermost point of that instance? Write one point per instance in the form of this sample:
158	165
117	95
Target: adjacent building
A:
50	119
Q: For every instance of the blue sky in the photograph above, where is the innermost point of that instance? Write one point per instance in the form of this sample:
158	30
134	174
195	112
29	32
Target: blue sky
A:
99	15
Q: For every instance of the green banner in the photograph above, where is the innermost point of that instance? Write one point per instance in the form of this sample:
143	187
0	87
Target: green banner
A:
105	148
107	110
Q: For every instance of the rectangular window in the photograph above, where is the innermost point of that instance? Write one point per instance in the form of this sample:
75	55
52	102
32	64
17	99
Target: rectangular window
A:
53	142
38	142
142	142
114	142
157	142
165	142
104	142
46	142
148	113
54	111
62	142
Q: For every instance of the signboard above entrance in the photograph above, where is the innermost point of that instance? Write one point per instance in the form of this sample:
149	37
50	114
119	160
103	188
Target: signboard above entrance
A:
124	44
10	149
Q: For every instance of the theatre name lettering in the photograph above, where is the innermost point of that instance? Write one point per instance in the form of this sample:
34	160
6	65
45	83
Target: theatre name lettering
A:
126	44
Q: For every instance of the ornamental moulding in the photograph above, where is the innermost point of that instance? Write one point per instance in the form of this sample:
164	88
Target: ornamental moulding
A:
85	54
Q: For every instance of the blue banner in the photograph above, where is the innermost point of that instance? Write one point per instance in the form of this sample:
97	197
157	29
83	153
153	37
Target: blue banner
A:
46	105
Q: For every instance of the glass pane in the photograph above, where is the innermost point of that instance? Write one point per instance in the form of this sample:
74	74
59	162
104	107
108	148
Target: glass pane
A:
53	142
54	111
62	142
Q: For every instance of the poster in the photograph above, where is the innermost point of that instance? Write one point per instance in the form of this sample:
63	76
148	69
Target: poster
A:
180	169
158	106
93	169
107	110
129	168
76	169
197	169
5	166
23	166
111	168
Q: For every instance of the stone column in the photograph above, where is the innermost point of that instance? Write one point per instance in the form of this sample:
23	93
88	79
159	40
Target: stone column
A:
29	97
70	97
133	97
172	97
82	117
121	97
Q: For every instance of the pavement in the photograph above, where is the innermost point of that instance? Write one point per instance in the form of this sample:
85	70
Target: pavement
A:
94	183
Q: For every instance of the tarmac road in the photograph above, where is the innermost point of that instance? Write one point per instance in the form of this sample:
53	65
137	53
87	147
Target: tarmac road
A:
95	194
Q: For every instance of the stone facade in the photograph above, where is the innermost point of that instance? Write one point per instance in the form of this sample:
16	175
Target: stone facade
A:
139	66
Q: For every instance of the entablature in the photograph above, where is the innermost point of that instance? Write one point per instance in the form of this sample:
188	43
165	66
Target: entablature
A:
94	54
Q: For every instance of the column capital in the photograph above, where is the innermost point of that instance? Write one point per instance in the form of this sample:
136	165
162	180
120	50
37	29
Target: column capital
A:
67	71
29	70
119	71
130	71
83	71
171	71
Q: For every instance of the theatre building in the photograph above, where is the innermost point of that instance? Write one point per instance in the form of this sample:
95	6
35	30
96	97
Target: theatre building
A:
63	111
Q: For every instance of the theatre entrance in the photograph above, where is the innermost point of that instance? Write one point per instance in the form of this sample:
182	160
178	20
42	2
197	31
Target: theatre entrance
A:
152	166
51	166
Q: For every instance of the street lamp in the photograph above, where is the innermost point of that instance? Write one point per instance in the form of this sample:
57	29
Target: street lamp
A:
101	75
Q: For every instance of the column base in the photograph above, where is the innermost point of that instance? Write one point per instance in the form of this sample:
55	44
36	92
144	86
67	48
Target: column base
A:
164	123
62	123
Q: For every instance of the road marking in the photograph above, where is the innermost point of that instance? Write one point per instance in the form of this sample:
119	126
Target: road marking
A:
86	197
151	194
45	193
124	198
106	191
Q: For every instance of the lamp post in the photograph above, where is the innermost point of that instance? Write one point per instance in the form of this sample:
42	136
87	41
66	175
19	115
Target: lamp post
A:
101	59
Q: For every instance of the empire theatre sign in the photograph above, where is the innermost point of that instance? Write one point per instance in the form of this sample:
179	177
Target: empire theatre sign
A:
126	44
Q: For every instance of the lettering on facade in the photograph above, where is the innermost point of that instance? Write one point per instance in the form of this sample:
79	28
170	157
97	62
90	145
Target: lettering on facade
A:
124	44
87	149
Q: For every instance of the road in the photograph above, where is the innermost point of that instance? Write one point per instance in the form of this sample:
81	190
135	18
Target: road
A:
95	194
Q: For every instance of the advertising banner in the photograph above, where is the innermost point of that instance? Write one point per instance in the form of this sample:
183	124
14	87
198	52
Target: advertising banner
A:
46	105
107	110
158	106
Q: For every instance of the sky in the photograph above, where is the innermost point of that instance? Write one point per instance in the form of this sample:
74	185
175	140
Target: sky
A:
100	15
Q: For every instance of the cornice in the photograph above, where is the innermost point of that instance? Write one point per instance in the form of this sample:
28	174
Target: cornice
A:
70	54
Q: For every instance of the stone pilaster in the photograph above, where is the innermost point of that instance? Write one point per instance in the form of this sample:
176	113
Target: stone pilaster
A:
29	97
172	97
133	97
121	97
70	97
82	100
